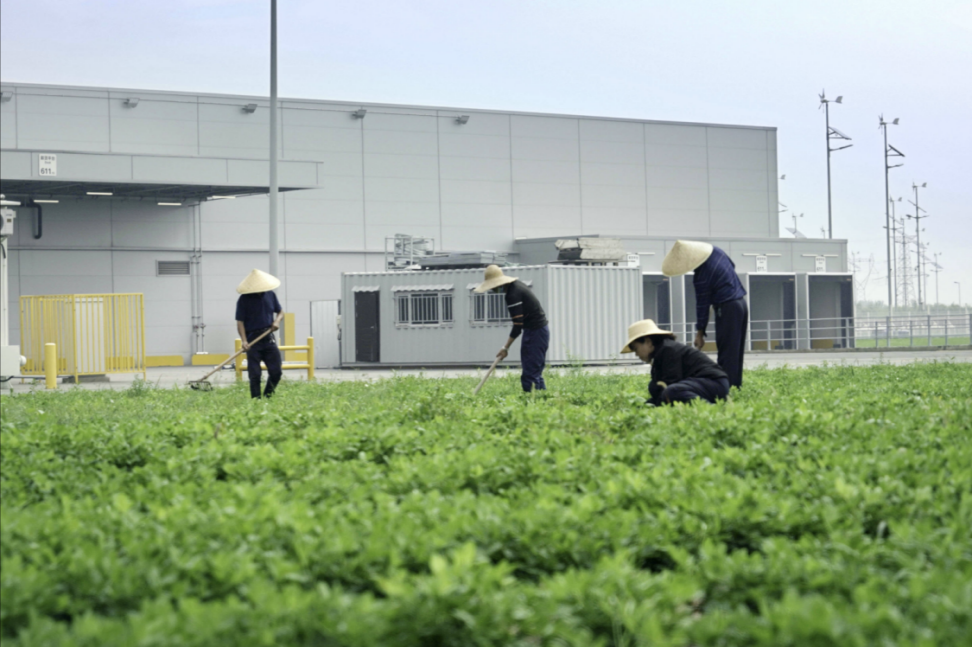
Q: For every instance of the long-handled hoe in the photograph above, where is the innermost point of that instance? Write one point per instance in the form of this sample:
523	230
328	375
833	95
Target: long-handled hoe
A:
203	384
488	373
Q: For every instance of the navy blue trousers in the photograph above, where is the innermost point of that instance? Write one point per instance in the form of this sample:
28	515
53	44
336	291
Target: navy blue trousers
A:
533	357
691	388
731	320
265	351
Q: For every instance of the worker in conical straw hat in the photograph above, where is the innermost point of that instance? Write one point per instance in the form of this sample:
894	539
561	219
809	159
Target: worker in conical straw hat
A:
718	286
679	373
258	310
528	319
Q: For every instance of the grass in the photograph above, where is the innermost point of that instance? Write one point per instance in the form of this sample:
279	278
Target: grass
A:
821	506
900	342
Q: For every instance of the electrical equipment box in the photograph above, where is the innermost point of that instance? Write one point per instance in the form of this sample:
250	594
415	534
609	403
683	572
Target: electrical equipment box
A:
7	224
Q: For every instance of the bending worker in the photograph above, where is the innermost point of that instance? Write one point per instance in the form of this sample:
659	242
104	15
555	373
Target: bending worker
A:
716	285
258	310
679	373
528	318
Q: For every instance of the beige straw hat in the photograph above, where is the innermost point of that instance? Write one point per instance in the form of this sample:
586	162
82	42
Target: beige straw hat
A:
639	329
494	279
257	281
685	256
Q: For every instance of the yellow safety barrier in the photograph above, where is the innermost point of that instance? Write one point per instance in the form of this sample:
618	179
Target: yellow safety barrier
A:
50	365
95	334
308	366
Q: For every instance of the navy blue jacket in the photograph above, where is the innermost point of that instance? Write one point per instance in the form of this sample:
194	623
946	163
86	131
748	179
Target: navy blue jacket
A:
715	282
257	311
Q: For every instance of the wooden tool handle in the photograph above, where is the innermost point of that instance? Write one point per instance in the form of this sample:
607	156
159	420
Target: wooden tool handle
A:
238	353
488	373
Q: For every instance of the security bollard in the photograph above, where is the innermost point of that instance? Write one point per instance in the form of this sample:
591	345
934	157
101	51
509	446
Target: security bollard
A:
50	365
310	359
237	347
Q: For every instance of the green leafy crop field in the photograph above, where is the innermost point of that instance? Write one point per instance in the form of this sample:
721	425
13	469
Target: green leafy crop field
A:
822	506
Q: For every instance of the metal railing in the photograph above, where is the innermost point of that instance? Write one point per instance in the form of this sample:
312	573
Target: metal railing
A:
241	362
96	334
847	332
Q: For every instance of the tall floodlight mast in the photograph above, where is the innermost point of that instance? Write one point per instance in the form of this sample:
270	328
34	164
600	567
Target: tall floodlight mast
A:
889	151
274	241
918	219
832	134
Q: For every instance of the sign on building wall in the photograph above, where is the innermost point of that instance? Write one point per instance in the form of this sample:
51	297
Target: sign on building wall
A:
762	264
47	164
820	264
634	260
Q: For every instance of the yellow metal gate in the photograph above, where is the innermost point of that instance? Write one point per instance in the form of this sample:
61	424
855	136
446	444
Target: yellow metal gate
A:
95	334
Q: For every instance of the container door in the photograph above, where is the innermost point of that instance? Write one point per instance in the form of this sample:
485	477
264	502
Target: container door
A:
366	337
325	329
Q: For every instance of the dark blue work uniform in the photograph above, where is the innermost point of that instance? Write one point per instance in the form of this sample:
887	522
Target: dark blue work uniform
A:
528	318
257	312
687	373
718	285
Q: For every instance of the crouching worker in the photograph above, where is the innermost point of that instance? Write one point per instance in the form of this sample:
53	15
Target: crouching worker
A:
679	373
258	310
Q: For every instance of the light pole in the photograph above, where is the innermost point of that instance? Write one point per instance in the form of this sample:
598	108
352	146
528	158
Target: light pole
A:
832	134
894	243
889	151
960	291
274	243
918	219
938	268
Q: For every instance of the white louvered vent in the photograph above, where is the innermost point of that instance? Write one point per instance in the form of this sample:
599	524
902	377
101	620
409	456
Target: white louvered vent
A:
172	268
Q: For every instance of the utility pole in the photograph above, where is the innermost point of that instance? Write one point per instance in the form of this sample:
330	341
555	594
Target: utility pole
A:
938	268
832	133
894	253
274	243
918	219
889	151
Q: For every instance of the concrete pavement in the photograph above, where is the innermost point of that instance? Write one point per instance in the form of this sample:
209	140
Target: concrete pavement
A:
169	377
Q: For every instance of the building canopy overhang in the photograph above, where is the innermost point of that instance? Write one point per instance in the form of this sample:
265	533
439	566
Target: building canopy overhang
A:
26	190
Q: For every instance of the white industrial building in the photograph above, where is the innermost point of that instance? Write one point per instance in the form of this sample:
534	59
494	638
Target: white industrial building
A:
128	191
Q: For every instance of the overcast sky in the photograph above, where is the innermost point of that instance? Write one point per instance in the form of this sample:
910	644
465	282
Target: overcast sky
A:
742	62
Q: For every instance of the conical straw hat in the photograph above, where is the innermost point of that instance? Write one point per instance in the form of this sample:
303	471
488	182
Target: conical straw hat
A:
685	256
257	281
639	329
494	279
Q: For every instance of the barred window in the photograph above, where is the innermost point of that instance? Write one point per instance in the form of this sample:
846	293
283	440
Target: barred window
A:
423	309
489	307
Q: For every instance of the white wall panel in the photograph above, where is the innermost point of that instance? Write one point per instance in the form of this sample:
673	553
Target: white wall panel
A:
252	209
157	127
72	223
676	222
465	145
403	214
667	155
257	173
309	142
16	165
611	131
737	158
545	148
401	166
673	198
234	235
611	152
401	190
739	223
678	177
675	135
62	122
324	212
613	196
375	233
90	167
525	126
473	168
189	171
732	200
750	138
400	143
471	192
316	236
495	234
529	219
593	173
375	121
227	131
479	123
563	195
546	172
8	121
739	180
608	220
